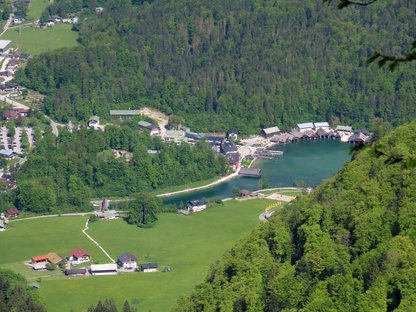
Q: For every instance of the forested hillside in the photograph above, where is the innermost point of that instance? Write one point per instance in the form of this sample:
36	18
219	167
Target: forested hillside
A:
63	174
242	64
349	246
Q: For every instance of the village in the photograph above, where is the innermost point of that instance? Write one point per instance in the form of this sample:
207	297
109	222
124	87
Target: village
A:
238	151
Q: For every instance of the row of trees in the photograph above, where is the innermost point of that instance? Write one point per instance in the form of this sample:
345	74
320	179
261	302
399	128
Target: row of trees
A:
63	174
349	246
242	65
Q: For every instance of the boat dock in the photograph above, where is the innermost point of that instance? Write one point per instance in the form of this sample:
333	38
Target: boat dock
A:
250	172
267	154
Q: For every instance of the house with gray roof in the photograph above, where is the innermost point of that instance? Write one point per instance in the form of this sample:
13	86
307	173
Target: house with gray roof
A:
303	127
127	261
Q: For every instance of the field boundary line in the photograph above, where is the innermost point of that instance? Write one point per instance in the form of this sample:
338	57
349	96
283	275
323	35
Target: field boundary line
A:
95	242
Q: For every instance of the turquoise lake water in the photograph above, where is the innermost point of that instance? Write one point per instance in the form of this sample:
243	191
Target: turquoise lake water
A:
307	161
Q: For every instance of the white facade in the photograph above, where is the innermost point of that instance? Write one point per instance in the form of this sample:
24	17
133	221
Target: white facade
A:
303	127
155	131
149	270
79	260
130	265
197	208
322	125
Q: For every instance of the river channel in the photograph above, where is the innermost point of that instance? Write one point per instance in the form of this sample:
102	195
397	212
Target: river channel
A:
309	162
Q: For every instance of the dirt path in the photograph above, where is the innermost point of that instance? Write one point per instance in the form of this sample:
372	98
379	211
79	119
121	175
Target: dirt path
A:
161	118
95	242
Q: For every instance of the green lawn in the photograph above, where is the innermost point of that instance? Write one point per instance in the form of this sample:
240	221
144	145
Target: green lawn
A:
36	40
36	7
187	244
29	238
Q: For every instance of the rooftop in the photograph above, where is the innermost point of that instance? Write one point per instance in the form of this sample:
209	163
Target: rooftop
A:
125	112
104	267
344	128
6	152
271	130
78	253
305	125
321	124
4	43
200	202
145	266
126	257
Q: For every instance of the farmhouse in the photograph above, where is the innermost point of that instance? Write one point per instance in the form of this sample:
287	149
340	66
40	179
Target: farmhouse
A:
94	122
5	45
303	127
54	258
148	267
269	132
78	256
7	154
197	205
39	259
77	272
12	213
104	269
127	261
321	125
125	113
154	130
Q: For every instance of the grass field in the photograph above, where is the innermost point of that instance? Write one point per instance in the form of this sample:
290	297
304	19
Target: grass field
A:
36	40
29	238
36	7
186	244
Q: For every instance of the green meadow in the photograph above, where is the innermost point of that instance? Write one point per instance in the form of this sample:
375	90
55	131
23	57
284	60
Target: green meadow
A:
188	245
36	7
38	40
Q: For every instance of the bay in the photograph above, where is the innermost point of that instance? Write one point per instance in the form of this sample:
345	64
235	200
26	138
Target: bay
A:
305	162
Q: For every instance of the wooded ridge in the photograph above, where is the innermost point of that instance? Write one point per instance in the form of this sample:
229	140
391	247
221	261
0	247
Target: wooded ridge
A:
244	64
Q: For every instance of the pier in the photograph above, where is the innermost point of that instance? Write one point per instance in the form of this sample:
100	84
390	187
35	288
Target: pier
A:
250	172
267	154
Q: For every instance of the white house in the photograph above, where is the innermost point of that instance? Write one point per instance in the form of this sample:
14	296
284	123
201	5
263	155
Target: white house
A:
148	267
303	127
79	255
127	261
197	205
321	125
94	122
103	269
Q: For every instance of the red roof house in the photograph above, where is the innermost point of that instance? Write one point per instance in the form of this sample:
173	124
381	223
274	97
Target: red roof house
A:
10	114
79	255
42	258
12	212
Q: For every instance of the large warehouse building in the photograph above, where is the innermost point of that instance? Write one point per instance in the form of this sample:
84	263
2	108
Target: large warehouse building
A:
5	45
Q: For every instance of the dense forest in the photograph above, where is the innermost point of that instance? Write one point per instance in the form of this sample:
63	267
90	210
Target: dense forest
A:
15	294
64	173
349	246
242	64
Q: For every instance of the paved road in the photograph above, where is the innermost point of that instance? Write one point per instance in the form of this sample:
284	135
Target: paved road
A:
4	137
265	215
17	139
6	26
12	102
